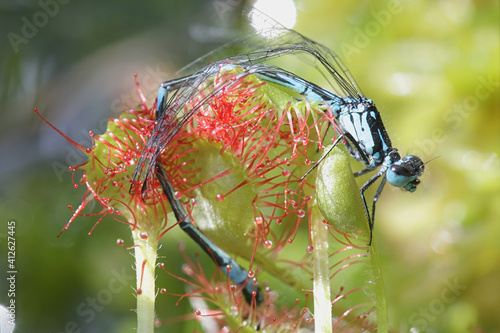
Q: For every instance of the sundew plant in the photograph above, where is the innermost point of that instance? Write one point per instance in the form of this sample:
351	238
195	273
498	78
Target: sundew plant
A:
236	166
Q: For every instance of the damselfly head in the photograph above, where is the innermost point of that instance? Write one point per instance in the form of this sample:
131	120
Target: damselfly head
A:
405	172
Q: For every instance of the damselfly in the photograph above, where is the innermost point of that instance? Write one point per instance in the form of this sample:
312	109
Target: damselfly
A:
354	116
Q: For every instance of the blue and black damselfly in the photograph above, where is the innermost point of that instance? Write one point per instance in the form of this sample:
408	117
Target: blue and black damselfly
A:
355	117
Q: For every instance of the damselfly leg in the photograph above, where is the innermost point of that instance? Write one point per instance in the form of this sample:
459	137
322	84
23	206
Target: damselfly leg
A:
223	260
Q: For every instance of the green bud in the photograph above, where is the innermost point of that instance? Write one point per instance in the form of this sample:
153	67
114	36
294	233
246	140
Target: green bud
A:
338	194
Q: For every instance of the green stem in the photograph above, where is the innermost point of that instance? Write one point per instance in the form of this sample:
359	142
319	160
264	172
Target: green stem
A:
145	262
321	285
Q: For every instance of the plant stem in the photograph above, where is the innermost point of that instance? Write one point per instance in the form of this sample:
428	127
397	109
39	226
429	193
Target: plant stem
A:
145	262
322	300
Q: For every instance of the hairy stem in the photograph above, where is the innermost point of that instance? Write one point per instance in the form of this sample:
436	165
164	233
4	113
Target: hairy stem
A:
322	299
145	262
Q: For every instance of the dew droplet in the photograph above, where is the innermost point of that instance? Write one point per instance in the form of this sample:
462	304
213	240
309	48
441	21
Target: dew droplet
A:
301	213
139	291
88	150
193	202
144	235
234	310
229	268
219	197
120	241
279	221
285	172
177	194
310	249
187	270
75	185
258	219
251	273
198	312
163	290
268	244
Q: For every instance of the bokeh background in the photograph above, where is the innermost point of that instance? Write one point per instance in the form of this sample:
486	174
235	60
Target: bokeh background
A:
431	66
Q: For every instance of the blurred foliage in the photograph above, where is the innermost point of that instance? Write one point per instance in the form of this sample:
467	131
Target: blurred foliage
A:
432	67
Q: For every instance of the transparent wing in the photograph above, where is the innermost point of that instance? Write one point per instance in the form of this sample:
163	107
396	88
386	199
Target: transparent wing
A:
174	116
254	51
276	41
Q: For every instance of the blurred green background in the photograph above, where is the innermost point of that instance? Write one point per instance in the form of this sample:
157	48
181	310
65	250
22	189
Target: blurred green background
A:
432	67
